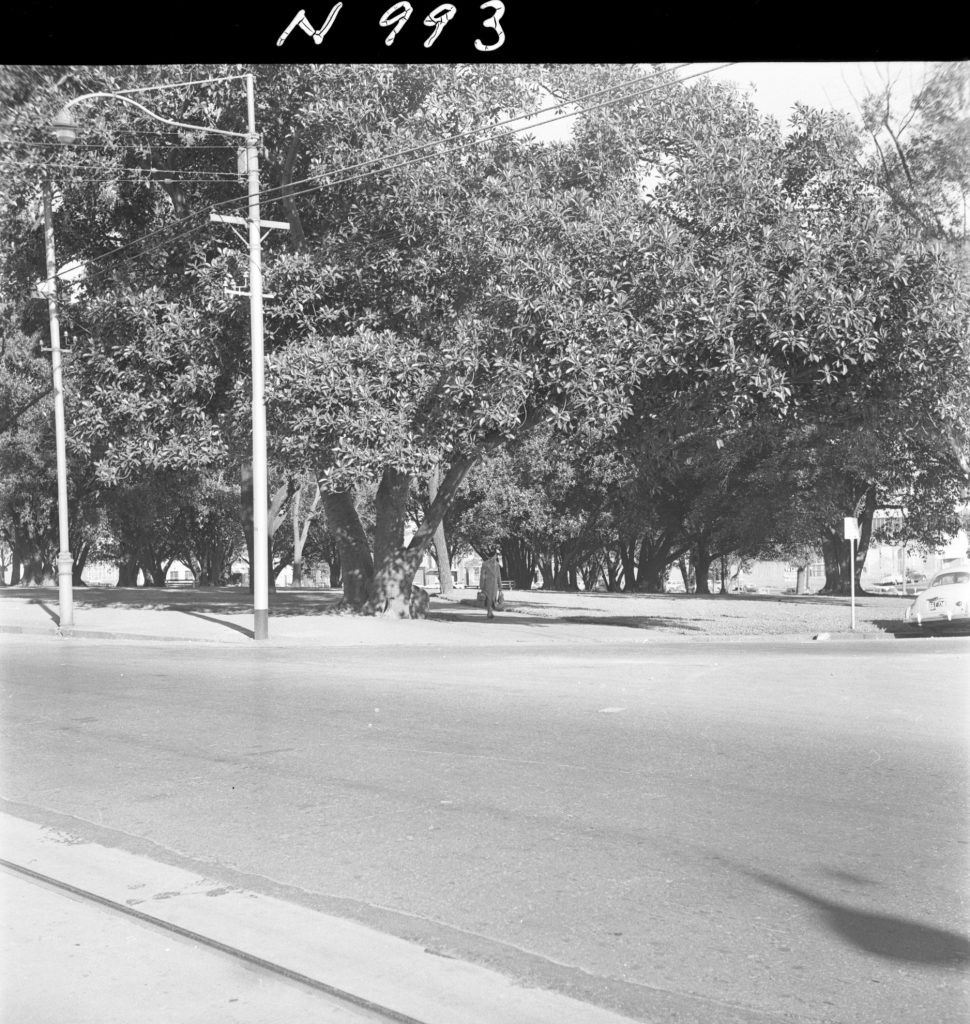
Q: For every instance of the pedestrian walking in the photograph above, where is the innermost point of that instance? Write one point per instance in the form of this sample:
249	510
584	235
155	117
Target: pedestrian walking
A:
490	583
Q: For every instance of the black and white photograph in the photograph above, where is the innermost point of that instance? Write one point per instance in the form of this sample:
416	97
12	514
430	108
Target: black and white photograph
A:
484	539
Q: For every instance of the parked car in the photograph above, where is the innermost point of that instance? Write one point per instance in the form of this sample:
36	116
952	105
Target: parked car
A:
946	597
914	581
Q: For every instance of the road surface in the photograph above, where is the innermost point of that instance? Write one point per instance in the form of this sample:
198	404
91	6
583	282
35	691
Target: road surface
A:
679	832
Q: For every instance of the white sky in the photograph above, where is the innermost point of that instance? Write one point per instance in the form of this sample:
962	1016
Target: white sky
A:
777	86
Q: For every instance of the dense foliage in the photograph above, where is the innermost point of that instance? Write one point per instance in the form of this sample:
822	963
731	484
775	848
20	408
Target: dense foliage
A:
678	332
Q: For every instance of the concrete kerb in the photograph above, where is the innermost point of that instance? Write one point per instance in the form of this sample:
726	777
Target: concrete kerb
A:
368	966
75	633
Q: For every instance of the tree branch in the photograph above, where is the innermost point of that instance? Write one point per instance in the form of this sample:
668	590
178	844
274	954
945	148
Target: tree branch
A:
14	417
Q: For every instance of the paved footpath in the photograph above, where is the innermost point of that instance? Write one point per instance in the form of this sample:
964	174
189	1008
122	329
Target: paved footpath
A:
78	955
301	618
313	617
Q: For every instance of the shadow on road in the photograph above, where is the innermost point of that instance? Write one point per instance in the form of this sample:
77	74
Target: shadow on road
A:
516	618
894	938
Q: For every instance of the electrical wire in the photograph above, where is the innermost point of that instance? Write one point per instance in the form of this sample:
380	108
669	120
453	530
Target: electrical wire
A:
173	173
490	129
242	202
267	194
159	172
74	146
150	180
408	163
466	138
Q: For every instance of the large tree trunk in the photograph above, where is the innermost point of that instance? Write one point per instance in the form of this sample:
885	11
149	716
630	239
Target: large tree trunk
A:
157	570
547	568
685	574
356	562
333	563
652	565
866	515
16	566
382	584
37	571
80	560
519	561
835	554
391	590
629	563
611	571
836	550
702	561
127	571
391	593
438	540
591	571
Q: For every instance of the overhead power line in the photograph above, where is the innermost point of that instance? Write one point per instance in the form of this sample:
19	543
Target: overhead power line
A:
378	165
287	194
101	147
486	131
151	177
201	216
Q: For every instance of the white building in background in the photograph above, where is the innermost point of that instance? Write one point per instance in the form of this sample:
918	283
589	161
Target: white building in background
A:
885	561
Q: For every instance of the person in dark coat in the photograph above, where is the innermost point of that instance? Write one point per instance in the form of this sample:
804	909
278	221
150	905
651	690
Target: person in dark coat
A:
490	582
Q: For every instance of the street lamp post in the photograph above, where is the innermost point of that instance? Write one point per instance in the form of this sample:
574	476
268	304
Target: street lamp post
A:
66	131
65	563
260	565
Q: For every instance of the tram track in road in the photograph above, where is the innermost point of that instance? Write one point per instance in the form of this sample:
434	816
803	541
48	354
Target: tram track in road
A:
367	1009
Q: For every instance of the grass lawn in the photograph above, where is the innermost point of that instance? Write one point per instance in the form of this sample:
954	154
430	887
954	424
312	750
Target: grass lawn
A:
719	615
672	615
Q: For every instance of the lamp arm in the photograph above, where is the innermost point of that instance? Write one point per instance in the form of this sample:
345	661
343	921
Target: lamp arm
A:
156	117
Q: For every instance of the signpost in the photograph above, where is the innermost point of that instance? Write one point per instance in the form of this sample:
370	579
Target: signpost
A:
851	532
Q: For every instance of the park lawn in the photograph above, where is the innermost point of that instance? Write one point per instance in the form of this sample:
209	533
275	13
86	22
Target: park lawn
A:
719	615
685	616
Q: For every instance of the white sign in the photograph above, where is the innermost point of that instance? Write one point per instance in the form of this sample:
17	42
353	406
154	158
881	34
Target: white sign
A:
851	528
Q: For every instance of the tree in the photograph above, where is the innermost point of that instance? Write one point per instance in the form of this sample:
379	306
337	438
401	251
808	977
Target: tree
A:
543	503
303	515
793	267
922	153
678	255
439	540
210	530
446	368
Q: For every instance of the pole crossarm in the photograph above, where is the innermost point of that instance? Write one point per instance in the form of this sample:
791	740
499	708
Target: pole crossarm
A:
66	132
225	218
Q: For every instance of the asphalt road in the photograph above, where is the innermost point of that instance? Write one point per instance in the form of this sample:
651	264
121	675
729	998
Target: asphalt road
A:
709	832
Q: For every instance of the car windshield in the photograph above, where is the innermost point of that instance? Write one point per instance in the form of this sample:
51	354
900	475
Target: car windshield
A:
947	578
